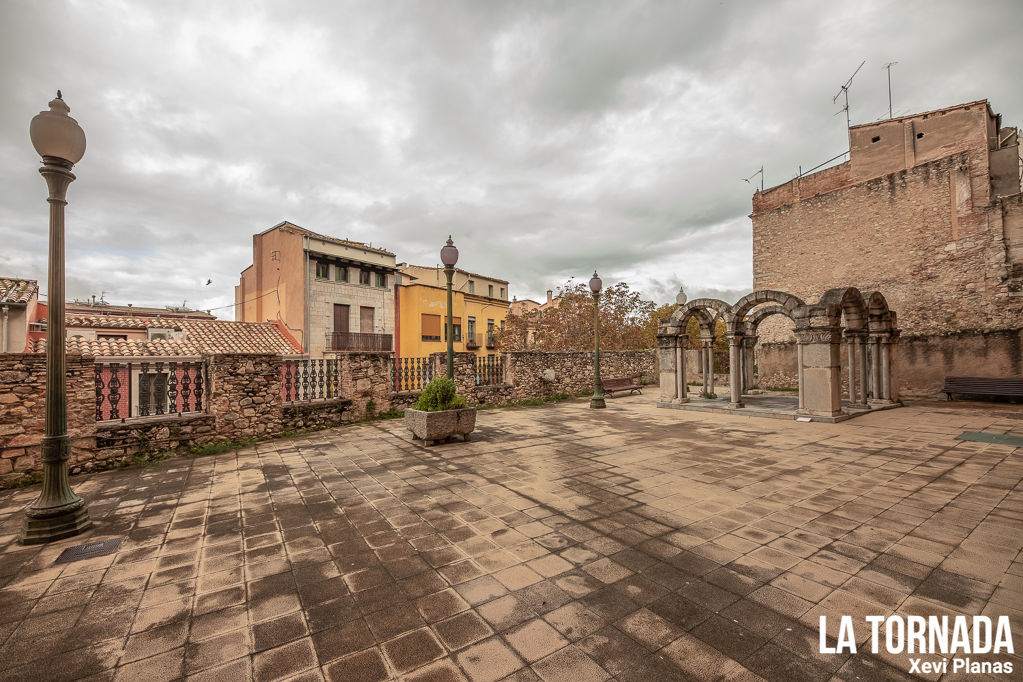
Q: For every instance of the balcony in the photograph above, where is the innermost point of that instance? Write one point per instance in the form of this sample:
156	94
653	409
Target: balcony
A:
473	341
490	340
357	341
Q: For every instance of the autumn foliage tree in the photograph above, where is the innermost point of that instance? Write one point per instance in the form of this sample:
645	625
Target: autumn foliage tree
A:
567	324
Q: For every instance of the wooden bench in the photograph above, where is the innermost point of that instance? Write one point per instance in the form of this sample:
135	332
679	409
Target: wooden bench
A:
621	384
983	386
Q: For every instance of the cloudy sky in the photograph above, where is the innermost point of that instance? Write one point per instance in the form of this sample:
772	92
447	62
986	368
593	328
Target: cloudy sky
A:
549	138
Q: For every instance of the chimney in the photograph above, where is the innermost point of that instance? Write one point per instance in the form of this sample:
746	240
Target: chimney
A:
550	295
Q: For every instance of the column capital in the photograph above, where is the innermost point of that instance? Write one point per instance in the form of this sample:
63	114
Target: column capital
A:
818	335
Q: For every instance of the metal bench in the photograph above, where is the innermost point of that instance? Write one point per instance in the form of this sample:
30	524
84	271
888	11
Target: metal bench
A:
621	384
983	386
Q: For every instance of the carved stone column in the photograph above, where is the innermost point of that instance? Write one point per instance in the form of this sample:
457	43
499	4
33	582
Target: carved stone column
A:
735	370
666	342
682	388
821	370
875	369
862	353
748	344
799	376
708	385
850	345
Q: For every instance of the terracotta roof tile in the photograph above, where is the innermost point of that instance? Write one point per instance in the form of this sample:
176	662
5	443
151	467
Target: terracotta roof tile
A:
201	337
15	291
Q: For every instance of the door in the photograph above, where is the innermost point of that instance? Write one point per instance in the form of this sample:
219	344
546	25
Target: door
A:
366	319
340	318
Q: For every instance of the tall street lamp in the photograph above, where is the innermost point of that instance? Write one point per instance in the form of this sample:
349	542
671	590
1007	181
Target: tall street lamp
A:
58	513
449	256
597	401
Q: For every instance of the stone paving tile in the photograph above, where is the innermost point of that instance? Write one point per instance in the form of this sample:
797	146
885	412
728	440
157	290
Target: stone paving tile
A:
559	544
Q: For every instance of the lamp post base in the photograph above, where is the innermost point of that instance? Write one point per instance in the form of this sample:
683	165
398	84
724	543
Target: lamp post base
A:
36	531
597	402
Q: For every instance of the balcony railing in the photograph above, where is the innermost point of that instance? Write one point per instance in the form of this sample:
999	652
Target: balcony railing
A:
306	380
358	341
125	390
490	370
412	374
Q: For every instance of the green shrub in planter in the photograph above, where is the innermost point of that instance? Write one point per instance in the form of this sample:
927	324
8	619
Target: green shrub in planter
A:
439	395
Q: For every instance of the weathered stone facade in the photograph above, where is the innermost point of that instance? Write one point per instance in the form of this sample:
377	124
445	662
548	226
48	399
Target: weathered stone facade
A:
325	292
925	212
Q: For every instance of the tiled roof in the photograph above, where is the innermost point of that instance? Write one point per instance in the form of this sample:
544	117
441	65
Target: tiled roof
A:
201	337
86	308
120	321
322	237
14	291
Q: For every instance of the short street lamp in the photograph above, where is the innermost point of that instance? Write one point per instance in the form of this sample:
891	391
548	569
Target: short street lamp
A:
449	256
58	513
597	401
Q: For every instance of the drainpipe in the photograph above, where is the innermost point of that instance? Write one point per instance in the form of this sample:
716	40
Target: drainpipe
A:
305	323
3	334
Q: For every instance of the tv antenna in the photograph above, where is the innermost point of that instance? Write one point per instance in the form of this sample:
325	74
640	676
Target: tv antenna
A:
888	67
844	92
761	174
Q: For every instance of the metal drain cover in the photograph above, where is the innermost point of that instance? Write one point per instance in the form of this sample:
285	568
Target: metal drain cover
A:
996	438
89	551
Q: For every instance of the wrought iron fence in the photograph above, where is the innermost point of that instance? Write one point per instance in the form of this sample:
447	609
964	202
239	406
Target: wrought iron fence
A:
148	388
310	379
412	374
358	341
490	370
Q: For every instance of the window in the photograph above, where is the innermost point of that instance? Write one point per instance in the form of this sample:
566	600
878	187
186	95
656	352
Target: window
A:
502	325
431	327
363	276
381	279
340	273
470	328
322	270
112	337
490	290
456	327
472	287
502	292
876	138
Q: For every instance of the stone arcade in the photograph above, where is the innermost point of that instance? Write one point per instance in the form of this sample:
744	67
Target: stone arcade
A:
864	322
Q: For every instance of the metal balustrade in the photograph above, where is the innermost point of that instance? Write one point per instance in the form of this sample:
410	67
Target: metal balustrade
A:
147	388
411	374
358	341
310	379
490	370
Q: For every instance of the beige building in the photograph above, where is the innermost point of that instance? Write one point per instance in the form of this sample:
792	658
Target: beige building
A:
19	307
330	293
927	211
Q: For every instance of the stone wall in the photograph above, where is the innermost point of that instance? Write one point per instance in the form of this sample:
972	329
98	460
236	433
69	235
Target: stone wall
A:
244	401
928	238
573	370
921	361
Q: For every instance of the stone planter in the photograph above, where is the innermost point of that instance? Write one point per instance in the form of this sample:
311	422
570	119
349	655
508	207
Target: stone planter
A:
437	426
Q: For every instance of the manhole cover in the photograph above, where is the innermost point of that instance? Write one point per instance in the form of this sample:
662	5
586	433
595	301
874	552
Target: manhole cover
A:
996	438
89	551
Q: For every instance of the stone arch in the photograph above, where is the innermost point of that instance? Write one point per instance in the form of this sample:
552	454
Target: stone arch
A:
745	304
848	301
869	329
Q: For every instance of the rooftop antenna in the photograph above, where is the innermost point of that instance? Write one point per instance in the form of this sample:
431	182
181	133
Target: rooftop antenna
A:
844	92
888	67
761	174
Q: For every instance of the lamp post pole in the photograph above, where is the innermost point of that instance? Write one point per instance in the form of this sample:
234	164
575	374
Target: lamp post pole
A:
58	512
449	256
597	401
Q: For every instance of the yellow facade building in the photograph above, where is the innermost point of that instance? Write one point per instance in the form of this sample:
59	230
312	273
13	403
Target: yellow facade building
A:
479	306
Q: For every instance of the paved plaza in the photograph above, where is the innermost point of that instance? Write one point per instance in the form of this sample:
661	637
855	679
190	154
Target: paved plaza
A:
561	543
